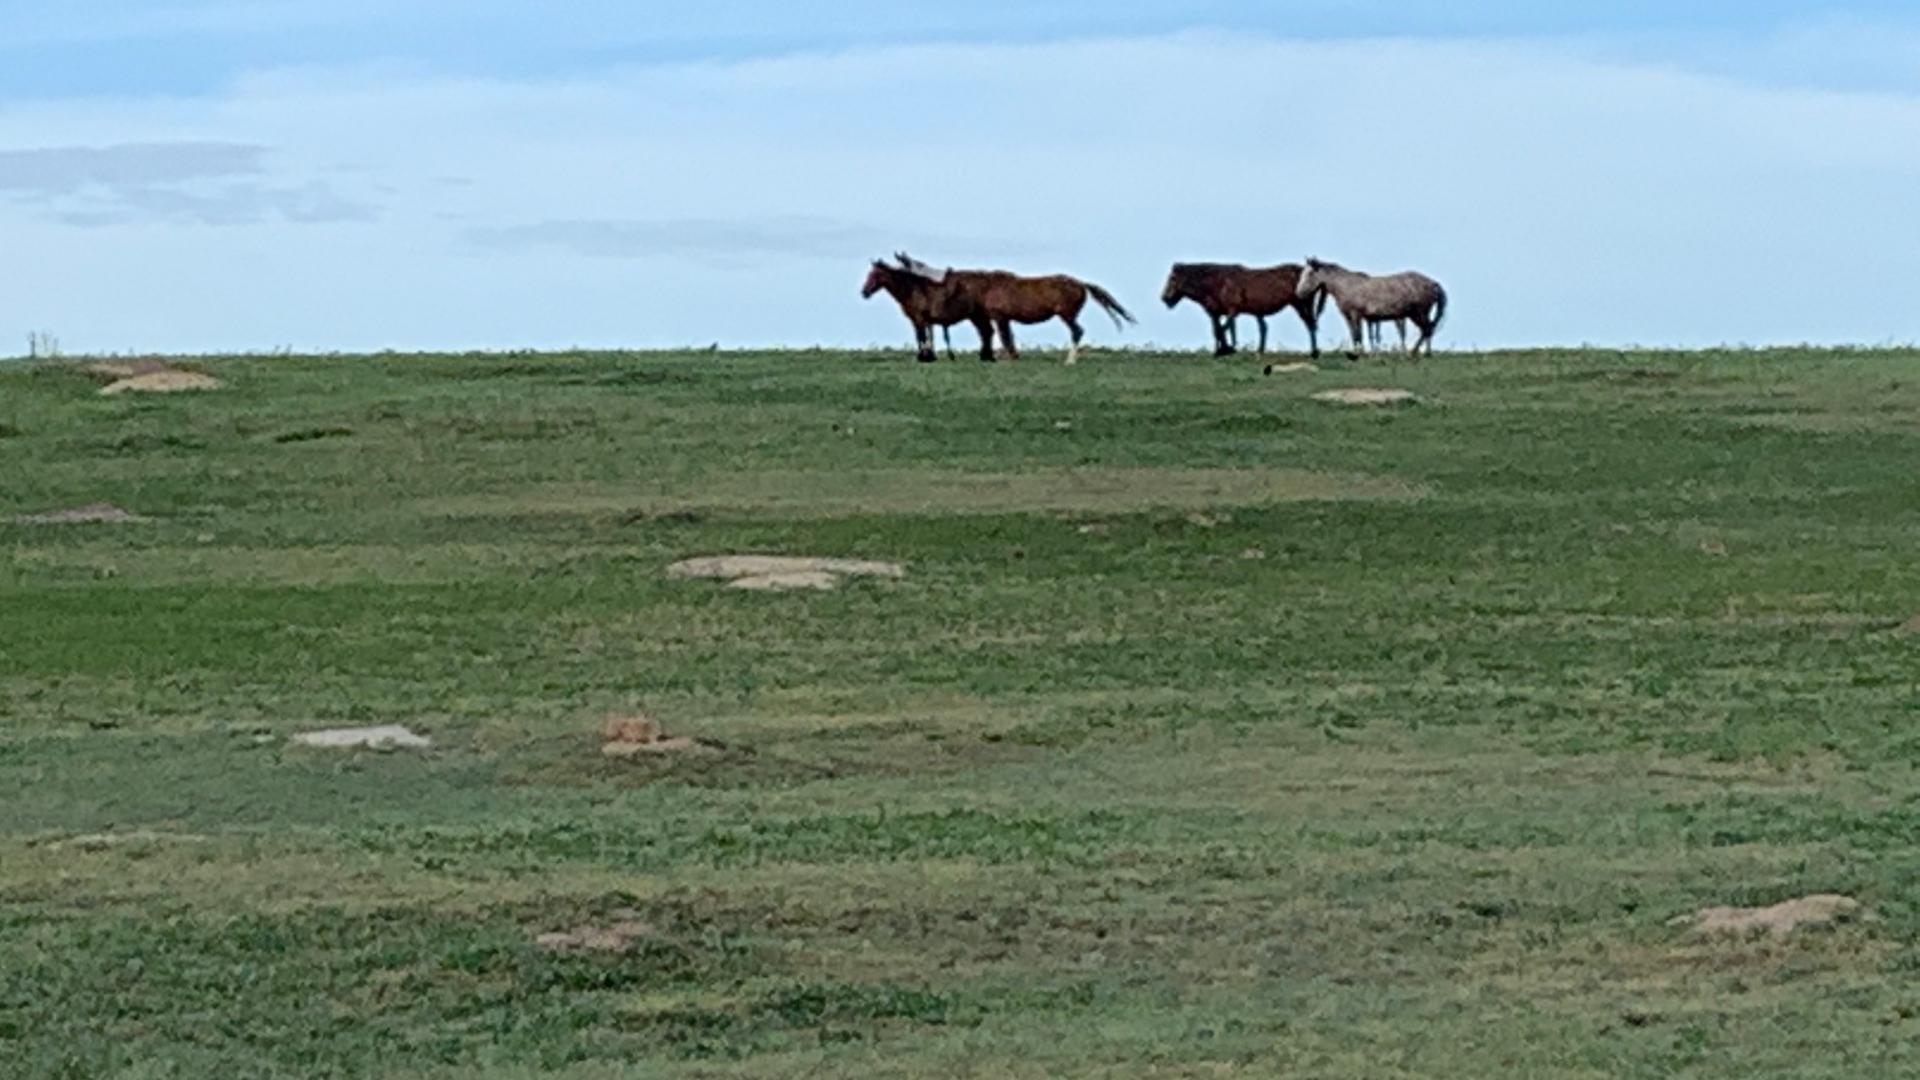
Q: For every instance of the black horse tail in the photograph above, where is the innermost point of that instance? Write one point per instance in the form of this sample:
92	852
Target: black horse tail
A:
1105	300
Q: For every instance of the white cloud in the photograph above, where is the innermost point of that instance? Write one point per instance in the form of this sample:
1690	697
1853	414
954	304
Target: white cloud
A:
1561	198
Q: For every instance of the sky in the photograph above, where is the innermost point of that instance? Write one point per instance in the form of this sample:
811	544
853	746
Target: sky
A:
241	175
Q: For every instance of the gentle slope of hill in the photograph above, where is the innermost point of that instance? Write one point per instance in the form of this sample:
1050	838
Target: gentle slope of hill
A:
1206	728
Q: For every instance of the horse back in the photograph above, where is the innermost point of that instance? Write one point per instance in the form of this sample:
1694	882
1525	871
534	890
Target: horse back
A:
1270	290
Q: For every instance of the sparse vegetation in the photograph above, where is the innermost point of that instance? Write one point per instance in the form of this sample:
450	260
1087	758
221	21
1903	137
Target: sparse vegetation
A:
1212	730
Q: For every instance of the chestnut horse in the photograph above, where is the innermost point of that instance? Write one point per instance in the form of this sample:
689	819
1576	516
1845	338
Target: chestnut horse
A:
999	299
927	297
1226	291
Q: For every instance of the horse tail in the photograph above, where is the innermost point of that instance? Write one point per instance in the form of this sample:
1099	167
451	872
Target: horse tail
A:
1105	300
1439	306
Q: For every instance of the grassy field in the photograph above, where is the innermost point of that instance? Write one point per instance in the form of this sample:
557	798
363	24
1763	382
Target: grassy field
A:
1212	731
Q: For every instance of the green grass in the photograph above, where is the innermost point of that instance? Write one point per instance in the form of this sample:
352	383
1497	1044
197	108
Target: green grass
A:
1213	731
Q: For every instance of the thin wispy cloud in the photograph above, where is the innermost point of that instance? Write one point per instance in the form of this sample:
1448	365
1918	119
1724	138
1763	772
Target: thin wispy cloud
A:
206	183
49	171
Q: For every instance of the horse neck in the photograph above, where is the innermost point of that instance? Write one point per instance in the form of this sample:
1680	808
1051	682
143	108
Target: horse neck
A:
901	288
1340	282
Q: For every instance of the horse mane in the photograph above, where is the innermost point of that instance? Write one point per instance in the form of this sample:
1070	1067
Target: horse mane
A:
918	269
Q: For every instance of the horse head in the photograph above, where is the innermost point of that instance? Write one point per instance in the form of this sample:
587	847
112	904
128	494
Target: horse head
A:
1312	277
1178	284
877	279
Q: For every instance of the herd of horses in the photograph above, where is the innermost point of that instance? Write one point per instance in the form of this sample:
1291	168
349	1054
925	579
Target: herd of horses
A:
994	300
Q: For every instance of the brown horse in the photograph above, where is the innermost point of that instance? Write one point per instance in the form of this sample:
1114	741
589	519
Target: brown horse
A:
1001	299
1008	298
928	298
1226	291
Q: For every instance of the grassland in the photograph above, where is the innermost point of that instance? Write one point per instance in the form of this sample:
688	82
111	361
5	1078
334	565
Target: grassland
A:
1213	731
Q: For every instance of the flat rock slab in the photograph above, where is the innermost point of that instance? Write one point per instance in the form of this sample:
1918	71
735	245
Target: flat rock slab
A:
818	580
1778	920
163	382
1364	396
91	514
1301	368
777	573
391	737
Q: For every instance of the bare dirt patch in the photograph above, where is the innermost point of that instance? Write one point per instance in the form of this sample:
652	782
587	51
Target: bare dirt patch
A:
90	514
1910	628
163	382
634	736
1367	396
1779	920
388	737
774	573
618	937
1301	368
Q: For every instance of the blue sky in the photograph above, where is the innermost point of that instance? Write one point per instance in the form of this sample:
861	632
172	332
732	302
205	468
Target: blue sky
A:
241	174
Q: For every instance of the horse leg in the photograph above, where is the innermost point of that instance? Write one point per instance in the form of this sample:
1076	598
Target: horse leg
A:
1401	325
1313	327
1262	320
923	339
1006	338
1427	327
1219	334
1073	346
947	333
986	338
1354	328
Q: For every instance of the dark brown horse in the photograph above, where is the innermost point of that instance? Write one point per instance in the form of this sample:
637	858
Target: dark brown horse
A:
928	298
1001	299
1226	291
